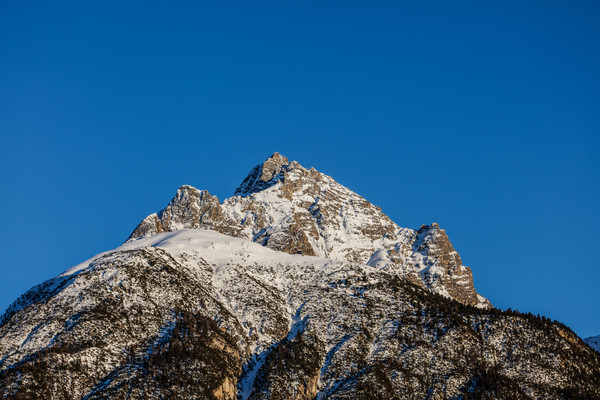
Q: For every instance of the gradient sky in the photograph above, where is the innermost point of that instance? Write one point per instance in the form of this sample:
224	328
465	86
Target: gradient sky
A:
481	116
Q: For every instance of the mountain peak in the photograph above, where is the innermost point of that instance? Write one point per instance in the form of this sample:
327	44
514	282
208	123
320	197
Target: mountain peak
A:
286	207
273	165
235	282
265	175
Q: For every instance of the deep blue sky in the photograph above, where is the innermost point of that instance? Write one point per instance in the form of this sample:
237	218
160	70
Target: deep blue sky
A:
482	116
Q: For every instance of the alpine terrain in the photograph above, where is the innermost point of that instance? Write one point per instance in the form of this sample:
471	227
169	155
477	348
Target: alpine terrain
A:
293	288
594	342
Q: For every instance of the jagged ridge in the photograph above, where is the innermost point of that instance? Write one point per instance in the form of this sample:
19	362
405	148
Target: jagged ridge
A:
289	208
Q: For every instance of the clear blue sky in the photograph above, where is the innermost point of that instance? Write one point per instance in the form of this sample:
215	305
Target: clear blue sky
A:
482	116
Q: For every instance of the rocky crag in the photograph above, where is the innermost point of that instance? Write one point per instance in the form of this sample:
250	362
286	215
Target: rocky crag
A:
289	208
294	288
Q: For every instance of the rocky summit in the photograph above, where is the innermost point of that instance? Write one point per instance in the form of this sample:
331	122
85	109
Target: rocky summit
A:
293	288
289	208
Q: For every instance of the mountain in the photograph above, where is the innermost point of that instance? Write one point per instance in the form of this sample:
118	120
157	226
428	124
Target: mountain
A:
593	342
240	299
289	208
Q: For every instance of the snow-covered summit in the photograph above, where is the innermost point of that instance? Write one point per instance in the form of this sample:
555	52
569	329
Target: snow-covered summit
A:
298	289
286	207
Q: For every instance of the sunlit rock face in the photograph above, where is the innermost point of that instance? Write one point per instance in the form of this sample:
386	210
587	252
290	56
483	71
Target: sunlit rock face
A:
289	208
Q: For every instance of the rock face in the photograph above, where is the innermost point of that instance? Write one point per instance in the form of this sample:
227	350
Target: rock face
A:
194	314
289	208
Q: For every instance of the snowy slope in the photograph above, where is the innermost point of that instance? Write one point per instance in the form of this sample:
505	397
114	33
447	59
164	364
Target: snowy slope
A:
593	342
